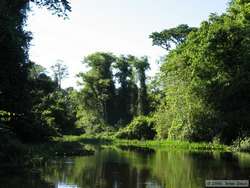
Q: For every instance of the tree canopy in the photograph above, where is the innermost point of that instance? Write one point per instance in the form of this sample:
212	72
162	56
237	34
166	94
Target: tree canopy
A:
173	36
207	81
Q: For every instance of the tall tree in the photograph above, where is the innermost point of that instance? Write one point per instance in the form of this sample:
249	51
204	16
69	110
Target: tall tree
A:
98	86
142	65
14	46
123	74
60	72
14	56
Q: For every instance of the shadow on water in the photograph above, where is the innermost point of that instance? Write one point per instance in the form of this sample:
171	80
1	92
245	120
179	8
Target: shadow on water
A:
24	180
132	167
95	141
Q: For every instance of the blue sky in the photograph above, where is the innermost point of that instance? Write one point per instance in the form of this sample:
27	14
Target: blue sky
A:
118	26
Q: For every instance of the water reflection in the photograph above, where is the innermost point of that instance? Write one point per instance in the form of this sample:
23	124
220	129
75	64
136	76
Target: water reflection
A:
142	150
24	180
133	168
63	185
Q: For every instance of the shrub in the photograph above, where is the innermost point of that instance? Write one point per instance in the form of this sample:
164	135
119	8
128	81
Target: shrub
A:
244	145
12	151
140	128
31	129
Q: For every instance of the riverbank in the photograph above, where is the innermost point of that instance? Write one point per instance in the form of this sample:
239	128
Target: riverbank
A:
59	148
17	154
167	144
35	154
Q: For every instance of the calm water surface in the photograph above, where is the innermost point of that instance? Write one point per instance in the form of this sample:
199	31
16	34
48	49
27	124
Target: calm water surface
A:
134	168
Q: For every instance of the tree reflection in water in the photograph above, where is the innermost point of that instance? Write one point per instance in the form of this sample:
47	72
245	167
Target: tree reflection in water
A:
136	168
132	168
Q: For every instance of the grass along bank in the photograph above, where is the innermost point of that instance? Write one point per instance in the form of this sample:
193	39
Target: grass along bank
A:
109	140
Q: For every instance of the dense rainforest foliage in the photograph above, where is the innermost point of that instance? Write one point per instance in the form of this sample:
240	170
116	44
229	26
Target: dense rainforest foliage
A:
200	94
113	91
205	79
23	92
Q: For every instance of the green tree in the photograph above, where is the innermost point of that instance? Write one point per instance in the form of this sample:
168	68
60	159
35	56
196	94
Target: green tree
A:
98	90
125	91
14	46
172	36
141	65
206	81
35	70
53	110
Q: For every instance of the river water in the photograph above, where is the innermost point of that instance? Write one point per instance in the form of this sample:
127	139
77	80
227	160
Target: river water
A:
130	167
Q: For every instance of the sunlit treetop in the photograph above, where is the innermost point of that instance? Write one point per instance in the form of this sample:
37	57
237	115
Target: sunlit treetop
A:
240	9
172	36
